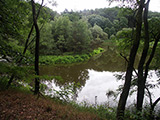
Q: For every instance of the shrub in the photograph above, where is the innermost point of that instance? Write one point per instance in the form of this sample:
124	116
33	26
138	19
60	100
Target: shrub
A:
68	59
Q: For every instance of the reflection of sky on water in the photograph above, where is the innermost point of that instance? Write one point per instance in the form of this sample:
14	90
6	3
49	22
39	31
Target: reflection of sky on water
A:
97	85
153	80
96	77
100	82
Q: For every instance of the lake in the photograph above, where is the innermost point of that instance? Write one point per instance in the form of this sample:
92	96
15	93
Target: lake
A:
94	78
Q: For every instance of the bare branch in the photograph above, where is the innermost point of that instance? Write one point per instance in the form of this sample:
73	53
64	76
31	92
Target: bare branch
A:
128	61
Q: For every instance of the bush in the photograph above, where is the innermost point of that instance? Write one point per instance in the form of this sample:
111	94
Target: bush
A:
68	59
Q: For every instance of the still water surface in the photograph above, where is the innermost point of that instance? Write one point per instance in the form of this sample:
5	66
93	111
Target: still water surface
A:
96	77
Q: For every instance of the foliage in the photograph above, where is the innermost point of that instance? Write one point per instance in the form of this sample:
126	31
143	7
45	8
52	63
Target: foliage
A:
15	38
73	16
61	59
154	31
22	74
125	36
16	22
13	22
19	72
99	36
61	29
68	59
97	32
133	114
63	35
99	20
124	40
76	33
81	37
103	111
47	44
80	32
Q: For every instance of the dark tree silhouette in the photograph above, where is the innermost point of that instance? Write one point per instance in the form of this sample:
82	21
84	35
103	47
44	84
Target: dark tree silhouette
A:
37	82
133	52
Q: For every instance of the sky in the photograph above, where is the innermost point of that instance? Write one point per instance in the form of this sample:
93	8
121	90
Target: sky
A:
77	5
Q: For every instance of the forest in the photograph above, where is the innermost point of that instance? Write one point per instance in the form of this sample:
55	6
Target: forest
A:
32	36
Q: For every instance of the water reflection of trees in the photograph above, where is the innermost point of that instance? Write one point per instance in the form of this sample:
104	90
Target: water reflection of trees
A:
75	75
69	74
109	61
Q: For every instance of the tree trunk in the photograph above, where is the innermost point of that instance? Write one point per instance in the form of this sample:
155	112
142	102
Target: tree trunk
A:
25	48
152	108
36	49
141	78
133	52
146	73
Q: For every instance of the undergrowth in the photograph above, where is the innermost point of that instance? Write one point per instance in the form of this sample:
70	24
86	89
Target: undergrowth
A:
68	59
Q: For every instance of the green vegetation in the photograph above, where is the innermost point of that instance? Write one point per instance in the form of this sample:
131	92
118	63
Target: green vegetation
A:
102	111
68	59
29	31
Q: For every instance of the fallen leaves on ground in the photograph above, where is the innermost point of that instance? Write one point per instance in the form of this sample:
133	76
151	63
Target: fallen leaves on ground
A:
16	105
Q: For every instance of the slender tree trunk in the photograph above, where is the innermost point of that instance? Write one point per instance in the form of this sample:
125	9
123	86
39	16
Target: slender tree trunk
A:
29	35
146	73
133	52
151	56
25	47
36	49
152	109
141	78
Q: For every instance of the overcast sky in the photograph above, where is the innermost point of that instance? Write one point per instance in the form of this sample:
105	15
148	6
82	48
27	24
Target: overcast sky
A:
77	5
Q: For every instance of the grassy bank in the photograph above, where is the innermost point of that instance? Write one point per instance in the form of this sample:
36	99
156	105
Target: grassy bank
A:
68	59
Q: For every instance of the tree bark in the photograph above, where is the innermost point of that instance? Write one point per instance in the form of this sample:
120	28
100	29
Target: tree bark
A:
151	56
36	91
154	104
133	52
141	79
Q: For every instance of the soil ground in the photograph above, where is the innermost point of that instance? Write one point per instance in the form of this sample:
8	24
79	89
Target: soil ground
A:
17	105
